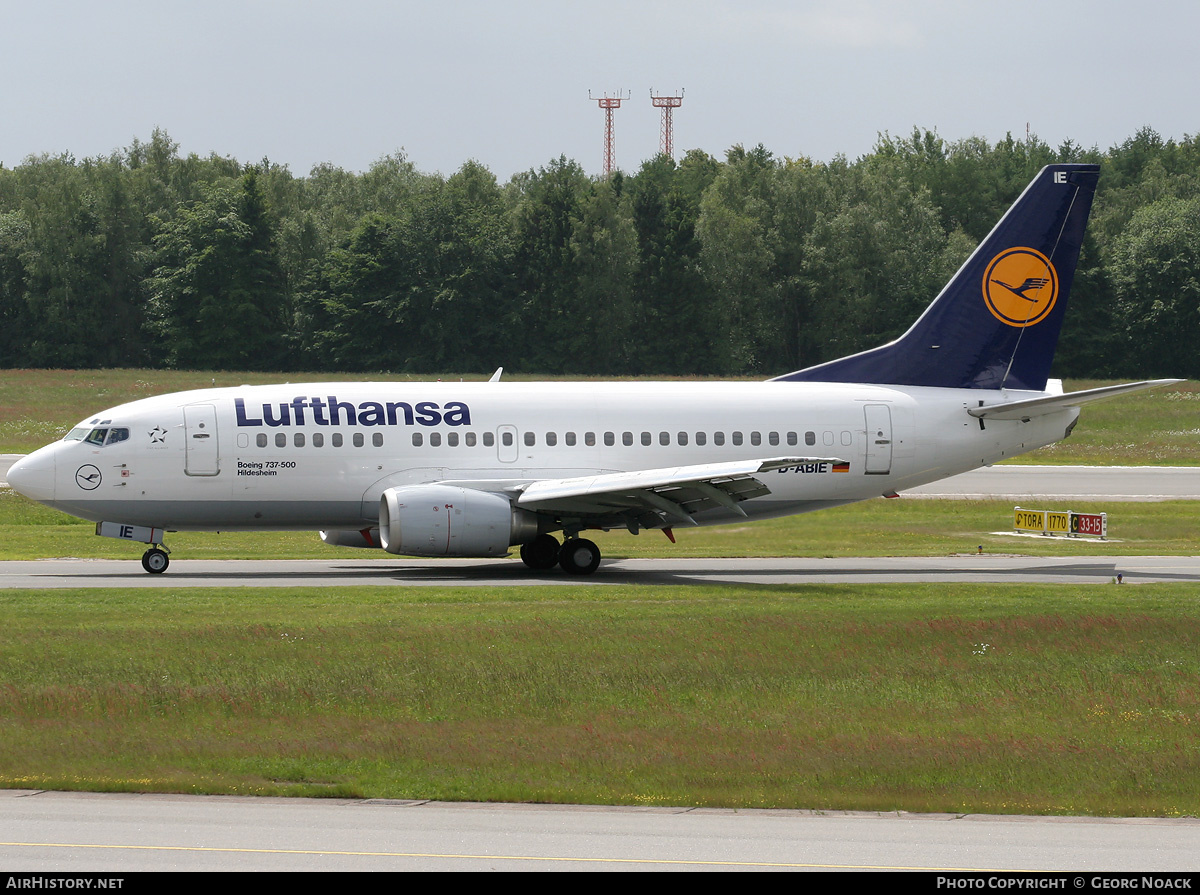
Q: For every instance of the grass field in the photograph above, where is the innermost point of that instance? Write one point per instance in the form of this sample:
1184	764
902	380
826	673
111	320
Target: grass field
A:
998	699
38	406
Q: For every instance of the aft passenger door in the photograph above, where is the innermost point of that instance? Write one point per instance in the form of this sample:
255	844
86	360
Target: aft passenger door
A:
879	439
200	440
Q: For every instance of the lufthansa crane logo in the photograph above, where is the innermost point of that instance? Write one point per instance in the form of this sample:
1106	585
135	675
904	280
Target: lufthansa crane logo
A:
87	477
1020	286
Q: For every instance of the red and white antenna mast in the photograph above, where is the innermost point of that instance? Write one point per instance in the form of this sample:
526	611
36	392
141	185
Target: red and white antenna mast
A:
608	103
666	141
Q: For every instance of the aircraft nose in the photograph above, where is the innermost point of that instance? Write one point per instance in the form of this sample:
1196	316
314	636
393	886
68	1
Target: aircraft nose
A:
33	476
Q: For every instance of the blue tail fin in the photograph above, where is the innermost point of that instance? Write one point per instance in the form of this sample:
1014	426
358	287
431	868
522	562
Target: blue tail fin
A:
996	323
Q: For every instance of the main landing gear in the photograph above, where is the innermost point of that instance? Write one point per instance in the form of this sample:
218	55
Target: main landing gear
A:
155	560
577	556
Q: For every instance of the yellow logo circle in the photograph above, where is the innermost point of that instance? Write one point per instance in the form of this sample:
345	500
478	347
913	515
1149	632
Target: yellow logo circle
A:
1020	286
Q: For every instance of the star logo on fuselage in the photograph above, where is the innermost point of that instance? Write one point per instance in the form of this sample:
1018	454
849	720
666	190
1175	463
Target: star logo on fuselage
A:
157	435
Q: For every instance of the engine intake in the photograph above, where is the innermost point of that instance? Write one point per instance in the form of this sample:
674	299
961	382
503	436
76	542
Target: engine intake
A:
444	520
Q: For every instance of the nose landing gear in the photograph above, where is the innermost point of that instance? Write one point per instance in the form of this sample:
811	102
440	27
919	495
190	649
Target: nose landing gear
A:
155	560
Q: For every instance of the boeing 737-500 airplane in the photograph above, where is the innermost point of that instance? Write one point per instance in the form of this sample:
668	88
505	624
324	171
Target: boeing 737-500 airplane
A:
474	469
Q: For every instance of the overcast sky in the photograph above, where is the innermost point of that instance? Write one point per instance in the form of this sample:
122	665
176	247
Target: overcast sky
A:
506	83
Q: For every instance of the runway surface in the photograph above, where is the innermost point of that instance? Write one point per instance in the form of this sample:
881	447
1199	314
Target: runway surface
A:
1126	483
7	460
391	572
111	834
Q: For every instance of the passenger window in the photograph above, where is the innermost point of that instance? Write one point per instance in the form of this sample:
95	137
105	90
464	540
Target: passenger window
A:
589	438
377	439
756	438
810	438
570	439
551	439
261	439
435	439
627	438
530	439
737	438
701	438
773	438
418	439
683	438
358	439
664	438
298	439
609	439
337	439
647	438
506	438
718	438
470	439
489	439
280	440
792	439
318	439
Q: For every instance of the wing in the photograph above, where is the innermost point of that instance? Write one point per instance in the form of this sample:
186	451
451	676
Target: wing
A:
655	498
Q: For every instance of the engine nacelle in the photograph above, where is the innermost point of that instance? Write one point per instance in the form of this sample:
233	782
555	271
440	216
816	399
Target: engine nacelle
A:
443	520
344	537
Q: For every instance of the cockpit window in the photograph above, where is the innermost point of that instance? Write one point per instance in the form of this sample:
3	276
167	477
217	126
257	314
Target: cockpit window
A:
118	434
96	436
76	434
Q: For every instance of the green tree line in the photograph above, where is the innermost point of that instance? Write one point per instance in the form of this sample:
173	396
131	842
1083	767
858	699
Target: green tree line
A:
751	264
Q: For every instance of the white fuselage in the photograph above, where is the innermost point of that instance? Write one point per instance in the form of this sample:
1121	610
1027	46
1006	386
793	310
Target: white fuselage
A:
318	456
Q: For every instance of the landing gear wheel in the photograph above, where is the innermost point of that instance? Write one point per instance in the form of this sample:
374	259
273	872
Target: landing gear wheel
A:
579	556
155	561
541	552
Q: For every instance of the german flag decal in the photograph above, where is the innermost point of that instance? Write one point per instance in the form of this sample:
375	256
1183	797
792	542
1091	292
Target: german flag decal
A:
841	467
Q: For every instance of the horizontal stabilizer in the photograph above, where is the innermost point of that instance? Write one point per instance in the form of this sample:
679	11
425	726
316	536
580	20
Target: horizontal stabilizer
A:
1027	409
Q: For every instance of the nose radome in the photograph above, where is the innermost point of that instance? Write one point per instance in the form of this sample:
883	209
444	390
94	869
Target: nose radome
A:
33	476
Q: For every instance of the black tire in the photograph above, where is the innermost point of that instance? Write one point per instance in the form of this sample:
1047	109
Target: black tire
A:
579	556
541	553
155	561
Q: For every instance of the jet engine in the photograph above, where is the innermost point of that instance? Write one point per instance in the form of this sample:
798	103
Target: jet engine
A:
443	520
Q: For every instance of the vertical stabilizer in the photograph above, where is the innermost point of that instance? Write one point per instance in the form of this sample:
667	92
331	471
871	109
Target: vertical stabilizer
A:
996	323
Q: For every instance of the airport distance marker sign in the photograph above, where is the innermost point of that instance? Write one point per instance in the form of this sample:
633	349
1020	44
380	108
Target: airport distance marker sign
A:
1055	523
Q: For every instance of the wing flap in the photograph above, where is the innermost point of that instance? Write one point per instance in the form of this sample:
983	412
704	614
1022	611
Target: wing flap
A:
673	494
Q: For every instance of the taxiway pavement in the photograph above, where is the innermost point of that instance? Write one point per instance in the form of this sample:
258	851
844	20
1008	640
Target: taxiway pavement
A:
390	572
116	833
